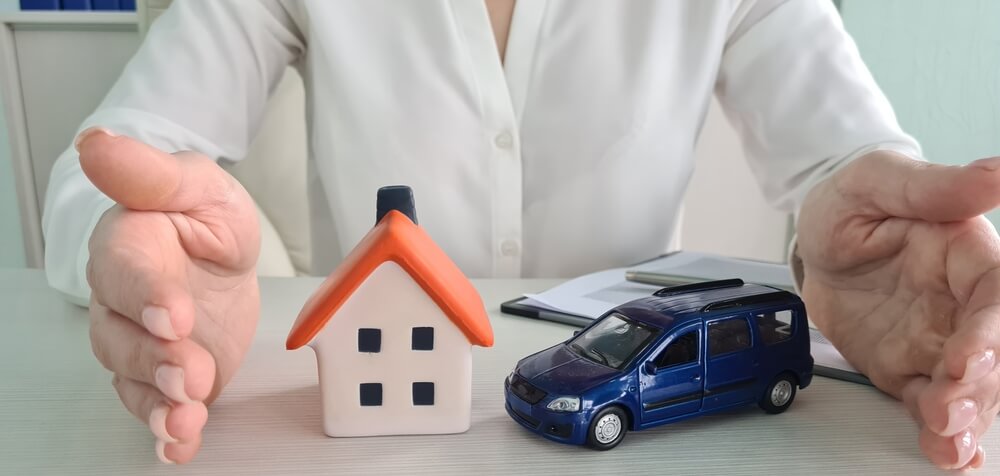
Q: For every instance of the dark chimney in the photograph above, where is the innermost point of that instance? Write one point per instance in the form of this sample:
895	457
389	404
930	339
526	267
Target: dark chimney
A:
395	197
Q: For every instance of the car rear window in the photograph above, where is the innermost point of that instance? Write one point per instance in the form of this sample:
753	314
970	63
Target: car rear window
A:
775	326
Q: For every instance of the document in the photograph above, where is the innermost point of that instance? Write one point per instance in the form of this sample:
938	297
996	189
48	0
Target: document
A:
592	295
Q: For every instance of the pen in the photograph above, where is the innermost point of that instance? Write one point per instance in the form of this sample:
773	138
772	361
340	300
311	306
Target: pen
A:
655	279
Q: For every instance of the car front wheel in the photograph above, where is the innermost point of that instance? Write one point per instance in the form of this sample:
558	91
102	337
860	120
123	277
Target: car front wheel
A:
779	395
607	428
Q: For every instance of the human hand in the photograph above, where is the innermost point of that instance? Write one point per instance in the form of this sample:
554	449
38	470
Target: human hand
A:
902	274
174	300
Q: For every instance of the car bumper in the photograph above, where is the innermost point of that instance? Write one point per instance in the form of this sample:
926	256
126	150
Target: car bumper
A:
563	427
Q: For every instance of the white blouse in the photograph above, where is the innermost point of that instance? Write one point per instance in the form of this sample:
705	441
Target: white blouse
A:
571	155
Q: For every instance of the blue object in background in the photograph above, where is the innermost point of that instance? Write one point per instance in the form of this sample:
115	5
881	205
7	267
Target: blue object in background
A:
39	4
79	5
106	4
75	4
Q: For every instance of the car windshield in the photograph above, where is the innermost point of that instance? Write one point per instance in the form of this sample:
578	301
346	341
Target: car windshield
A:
613	341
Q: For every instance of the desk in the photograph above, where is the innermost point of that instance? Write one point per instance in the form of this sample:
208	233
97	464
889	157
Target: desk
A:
59	414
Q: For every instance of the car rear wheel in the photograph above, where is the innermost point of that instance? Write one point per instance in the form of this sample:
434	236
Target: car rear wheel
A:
607	428
779	394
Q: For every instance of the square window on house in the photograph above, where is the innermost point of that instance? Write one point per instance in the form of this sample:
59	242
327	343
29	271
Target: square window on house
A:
423	338
369	340
423	393
371	394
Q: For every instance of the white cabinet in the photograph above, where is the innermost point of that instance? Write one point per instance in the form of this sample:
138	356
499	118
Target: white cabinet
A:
55	68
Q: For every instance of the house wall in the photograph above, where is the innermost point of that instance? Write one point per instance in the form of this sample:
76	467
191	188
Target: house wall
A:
391	301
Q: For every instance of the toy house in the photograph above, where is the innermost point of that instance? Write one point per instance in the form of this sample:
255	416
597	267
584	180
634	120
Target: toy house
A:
393	328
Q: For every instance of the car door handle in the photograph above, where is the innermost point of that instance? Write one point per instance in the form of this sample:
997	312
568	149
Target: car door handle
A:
696	378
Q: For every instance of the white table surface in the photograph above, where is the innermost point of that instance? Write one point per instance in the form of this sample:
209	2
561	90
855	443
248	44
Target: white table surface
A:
60	415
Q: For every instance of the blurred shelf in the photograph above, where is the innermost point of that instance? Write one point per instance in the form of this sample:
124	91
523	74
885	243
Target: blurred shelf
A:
43	18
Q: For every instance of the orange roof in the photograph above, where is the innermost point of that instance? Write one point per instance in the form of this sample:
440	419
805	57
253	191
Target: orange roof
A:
398	239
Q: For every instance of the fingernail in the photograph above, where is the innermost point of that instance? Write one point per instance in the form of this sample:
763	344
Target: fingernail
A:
158	422
88	132
161	447
961	414
157	322
170	381
980	459
965	444
979	366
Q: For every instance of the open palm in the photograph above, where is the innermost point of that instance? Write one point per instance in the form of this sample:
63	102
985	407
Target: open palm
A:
902	273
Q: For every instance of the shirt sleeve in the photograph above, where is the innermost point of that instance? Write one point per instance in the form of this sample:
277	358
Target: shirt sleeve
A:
200	81
793	84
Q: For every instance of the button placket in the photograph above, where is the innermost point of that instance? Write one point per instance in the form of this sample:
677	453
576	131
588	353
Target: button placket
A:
500	119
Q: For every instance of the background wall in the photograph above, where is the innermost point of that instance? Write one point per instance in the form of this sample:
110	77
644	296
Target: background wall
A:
11	247
938	61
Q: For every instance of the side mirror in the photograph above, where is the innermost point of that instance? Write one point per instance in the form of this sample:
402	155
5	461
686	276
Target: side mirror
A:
649	367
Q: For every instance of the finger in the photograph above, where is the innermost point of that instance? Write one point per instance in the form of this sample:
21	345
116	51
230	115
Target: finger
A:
124	278
211	214
949	452
169	421
978	460
911	395
948	407
891	184
182	370
973	270
178	453
946	451
142	177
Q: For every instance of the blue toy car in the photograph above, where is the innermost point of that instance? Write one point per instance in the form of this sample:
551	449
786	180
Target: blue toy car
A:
685	351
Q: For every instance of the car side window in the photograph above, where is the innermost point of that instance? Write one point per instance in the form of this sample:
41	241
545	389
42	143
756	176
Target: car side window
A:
775	326
682	350
728	335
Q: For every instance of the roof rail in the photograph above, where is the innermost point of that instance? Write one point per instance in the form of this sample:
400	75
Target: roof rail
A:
703	286
746	301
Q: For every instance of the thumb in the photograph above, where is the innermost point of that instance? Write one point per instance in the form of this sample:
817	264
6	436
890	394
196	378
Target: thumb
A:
895	185
141	177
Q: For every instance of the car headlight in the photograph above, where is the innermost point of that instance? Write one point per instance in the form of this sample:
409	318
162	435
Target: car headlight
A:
564	404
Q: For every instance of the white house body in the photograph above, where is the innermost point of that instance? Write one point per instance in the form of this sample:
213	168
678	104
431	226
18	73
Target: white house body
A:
373	381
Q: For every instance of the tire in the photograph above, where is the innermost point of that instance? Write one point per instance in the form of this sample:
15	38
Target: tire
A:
779	394
607	428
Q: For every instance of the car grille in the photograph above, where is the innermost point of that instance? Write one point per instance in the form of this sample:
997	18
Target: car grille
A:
532	422
526	391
